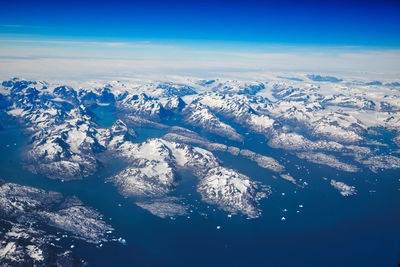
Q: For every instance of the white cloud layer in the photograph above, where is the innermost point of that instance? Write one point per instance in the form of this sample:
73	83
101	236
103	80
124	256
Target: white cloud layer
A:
55	59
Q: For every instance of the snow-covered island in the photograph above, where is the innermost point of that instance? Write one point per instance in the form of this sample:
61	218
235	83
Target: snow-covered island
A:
344	189
33	219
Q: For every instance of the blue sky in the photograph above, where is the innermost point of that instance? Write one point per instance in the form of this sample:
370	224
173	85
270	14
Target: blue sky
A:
350	23
240	35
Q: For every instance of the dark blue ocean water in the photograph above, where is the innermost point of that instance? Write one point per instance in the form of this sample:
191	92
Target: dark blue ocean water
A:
104	115
329	230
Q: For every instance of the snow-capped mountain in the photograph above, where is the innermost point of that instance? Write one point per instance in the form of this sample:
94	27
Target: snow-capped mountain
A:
318	121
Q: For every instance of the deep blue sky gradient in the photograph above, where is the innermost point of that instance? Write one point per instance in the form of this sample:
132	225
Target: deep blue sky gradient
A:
343	23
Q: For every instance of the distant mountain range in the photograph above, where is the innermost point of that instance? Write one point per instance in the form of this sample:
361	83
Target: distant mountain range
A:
321	119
